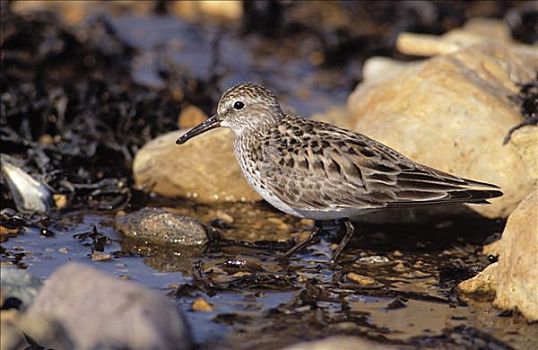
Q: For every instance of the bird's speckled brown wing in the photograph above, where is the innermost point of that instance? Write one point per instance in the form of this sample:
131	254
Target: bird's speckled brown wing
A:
311	165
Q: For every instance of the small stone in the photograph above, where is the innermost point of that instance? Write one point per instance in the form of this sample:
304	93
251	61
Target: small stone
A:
418	263
242	274
46	139
374	259
100	256
482	285
400	267
492	249
191	116
302	278
307	222
201	305
361	280
397	254
397	303
8	231
301	236
224	217
70	12
420	274
162	227
60	200
63	250
279	223
201	10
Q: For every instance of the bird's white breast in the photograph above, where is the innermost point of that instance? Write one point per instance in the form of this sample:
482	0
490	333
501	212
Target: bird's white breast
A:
253	179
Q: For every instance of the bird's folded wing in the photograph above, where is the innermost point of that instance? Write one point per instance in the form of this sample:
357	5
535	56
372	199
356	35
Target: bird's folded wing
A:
335	169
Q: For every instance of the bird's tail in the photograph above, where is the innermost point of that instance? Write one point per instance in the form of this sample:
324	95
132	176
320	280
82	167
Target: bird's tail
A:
435	187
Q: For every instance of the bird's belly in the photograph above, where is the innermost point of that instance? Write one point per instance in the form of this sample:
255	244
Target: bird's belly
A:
315	214
266	194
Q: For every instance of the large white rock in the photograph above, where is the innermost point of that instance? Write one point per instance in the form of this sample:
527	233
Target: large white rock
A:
514	278
452	112
517	272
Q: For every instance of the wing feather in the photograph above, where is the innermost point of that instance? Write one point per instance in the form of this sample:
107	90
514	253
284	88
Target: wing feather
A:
334	168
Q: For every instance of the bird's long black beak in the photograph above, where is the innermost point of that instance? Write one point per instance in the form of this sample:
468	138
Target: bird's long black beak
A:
207	125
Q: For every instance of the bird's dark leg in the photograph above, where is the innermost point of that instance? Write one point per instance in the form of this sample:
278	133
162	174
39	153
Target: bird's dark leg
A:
304	243
345	240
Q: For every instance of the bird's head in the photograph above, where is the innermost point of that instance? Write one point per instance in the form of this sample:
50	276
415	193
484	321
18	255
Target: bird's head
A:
240	108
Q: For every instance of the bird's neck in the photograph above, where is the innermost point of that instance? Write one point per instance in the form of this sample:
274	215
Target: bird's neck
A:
249	137
257	127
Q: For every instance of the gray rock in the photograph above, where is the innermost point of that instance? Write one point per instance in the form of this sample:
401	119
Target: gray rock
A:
342	343
11	337
45	331
162	227
20	284
28	193
100	311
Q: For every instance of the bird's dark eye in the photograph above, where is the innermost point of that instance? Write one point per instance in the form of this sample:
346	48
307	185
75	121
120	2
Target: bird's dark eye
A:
239	105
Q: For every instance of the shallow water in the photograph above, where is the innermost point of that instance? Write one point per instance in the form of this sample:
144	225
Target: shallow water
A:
261	302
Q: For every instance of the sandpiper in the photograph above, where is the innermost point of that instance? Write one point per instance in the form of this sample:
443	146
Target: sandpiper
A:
316	170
